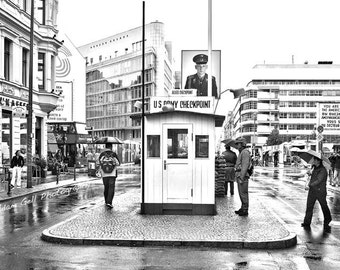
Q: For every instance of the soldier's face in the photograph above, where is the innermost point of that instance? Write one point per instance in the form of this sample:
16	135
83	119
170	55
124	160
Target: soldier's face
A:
201	69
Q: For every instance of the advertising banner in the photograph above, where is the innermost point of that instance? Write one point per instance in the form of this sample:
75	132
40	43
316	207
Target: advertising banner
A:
329	116
194	71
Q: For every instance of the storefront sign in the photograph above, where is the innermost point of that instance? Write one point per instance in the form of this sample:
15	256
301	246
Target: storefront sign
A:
19	112
192	104
183	92
9	102
329	116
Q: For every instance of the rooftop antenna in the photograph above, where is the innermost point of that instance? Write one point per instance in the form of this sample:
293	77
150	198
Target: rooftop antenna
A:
293	59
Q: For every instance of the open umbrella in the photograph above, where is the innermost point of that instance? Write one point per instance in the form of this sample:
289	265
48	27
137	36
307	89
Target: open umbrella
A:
108	139
307	155
229	142
294	149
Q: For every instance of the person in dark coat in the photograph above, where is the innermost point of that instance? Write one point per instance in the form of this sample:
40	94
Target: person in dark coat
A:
230	158
199	80
17	163
336	177
317	192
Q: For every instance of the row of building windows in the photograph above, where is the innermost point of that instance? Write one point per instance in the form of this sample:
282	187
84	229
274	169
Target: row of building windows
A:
136	46
9	64
298	115
296	82
39	12
117	96
248	105
112	122
110	41
297	126
298	104
112	81
323	92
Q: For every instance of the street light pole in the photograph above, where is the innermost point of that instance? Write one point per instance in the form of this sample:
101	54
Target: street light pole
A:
254	135
30	103
143	112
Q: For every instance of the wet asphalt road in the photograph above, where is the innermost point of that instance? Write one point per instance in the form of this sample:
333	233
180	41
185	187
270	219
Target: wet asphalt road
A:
22	221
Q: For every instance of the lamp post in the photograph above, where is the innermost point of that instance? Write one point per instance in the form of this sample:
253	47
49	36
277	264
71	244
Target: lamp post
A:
254	135
30	103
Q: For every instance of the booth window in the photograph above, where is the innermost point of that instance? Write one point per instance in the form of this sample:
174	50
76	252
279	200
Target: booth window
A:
153	145
202	146
178	143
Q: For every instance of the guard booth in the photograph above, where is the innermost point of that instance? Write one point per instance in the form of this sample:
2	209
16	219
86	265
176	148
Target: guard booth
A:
180	156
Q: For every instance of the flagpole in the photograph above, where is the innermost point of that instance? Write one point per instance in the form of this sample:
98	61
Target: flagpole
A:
210	48
143	112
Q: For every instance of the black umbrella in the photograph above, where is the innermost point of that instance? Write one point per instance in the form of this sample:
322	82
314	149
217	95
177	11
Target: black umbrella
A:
108	139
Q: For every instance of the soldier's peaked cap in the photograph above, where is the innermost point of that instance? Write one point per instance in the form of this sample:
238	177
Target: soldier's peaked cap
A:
200	58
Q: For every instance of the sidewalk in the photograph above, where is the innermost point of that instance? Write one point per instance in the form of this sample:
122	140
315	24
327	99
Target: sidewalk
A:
125	226
45	184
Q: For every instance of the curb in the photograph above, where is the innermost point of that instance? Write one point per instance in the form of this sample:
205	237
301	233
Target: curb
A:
31	191
286	242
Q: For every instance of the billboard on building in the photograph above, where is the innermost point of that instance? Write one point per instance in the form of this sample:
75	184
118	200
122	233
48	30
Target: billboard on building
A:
195	71
329	116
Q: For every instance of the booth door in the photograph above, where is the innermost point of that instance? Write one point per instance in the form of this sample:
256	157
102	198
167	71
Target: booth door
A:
177	163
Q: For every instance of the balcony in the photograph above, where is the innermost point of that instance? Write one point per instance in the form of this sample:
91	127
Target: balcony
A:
47	101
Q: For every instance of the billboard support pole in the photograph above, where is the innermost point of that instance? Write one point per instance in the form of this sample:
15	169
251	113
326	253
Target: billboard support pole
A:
209	48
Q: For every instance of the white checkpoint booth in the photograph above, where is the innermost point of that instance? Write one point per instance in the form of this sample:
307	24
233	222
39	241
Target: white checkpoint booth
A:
180	156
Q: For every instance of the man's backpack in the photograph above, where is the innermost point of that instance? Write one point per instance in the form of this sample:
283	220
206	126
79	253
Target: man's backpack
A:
107	161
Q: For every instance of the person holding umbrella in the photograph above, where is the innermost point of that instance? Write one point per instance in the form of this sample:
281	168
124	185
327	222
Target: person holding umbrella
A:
317	190
108	161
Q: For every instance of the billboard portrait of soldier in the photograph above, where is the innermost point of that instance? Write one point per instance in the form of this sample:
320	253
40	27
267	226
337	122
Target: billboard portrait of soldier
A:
194	71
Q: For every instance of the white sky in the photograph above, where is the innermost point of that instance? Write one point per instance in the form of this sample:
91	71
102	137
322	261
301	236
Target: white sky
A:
248	32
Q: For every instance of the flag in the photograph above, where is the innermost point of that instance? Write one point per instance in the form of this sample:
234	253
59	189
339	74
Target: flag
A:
237	92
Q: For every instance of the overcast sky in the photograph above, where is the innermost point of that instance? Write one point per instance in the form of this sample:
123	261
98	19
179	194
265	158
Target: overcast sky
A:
248	32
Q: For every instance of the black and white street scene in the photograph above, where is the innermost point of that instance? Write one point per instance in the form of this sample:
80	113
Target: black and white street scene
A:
158	134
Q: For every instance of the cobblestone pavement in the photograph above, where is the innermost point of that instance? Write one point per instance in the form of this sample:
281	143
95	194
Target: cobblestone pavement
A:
124	225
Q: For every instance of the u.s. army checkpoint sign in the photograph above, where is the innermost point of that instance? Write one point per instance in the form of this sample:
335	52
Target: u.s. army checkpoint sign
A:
179	103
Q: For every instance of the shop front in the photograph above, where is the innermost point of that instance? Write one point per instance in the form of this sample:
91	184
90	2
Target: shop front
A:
180	156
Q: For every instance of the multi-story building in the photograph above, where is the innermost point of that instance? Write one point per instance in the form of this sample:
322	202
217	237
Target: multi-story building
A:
14	73
288	98
114	79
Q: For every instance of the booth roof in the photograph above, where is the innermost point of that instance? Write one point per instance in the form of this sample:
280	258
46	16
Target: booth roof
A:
219	119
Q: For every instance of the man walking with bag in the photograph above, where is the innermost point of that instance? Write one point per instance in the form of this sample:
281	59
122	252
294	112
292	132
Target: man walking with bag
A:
242	175
108	161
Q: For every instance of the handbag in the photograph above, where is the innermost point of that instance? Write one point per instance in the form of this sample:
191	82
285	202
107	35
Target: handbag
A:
307	182
309	173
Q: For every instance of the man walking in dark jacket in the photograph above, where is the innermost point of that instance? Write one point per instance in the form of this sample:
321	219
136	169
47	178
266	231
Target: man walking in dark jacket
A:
317	191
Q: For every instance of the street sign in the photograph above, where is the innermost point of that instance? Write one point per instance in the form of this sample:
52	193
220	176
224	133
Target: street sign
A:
320	129
319	137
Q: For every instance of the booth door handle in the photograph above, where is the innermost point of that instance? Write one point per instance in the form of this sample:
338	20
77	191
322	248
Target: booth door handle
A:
164	164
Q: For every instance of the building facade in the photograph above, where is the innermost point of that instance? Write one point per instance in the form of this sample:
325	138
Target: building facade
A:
14	73
114	79
289	99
